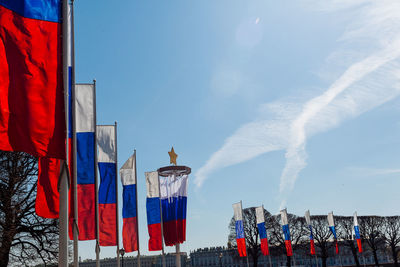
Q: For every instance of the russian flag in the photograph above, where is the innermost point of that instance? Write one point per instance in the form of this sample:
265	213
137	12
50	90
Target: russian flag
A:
357	233
107	162
240	236
153	206
85	115
333	230
286	232
261	230
173	193
308	220
31	83
129	206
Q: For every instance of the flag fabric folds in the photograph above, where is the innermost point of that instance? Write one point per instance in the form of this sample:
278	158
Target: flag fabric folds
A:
107	161
32	116
333	230
85	159
308	220
153	211
357	233
240	236
129	206
261	230
286	232
173	195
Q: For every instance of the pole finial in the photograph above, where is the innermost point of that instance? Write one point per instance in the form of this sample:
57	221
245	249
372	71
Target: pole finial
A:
172	156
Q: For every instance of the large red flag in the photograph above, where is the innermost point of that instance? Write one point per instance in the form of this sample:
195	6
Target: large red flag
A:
32	115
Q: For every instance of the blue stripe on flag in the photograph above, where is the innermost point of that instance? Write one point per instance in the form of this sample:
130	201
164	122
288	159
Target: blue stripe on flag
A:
107	183
239	229
129	201
85	158
174	208
49	10
261	230
332	228
286	231
153	210
357	232
311	233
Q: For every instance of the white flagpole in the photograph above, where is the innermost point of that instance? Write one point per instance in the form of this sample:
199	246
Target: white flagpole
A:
137	214
116	191
96	179
164	264
63	180
74	161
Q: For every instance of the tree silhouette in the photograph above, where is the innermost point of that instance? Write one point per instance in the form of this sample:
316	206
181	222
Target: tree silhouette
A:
345	234
25	238
371	228
392	236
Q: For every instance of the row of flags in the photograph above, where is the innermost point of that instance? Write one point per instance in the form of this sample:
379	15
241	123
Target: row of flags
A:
261	227
43	112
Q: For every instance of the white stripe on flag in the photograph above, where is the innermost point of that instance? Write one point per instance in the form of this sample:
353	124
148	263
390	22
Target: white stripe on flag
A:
284	218
330	219
355	219
173	186
307	215
237	211
260	214
127	171
84	108
153	189
106	143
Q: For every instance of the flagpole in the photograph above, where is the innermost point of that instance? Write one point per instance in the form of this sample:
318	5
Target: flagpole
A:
164	264
74	161
96	179
247	256
137	215
116	191
63	180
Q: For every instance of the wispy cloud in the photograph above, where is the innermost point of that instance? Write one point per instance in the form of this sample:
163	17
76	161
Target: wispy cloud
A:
366	84
368	172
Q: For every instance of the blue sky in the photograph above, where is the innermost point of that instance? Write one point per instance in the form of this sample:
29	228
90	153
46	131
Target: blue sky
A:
283	103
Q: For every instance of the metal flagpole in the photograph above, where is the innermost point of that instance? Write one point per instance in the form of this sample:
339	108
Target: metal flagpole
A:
74	164
63	180
164	264
247	256
96	179
137	215
116	191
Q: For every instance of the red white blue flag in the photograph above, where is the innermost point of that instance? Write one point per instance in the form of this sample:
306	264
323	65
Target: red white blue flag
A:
153	208
357	233
107	162
261	230
240	236
333	230
308	220
286	232
129	206
32	116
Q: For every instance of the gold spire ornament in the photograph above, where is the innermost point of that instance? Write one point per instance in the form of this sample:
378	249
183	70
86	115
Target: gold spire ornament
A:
172	156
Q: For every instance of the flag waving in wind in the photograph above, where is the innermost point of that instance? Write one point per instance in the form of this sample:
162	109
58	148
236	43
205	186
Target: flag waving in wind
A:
240	236
333	230
129	206
308	220
32	115
261	230
286	232
153	208
357	233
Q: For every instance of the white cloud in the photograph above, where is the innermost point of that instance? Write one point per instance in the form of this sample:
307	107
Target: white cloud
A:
370	81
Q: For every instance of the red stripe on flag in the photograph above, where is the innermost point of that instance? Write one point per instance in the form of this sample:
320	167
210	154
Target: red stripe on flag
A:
337	247
86	212
241	246
288	245
264	246
108	224
129	234
155	240
31	86
359	245
47	196
312	247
